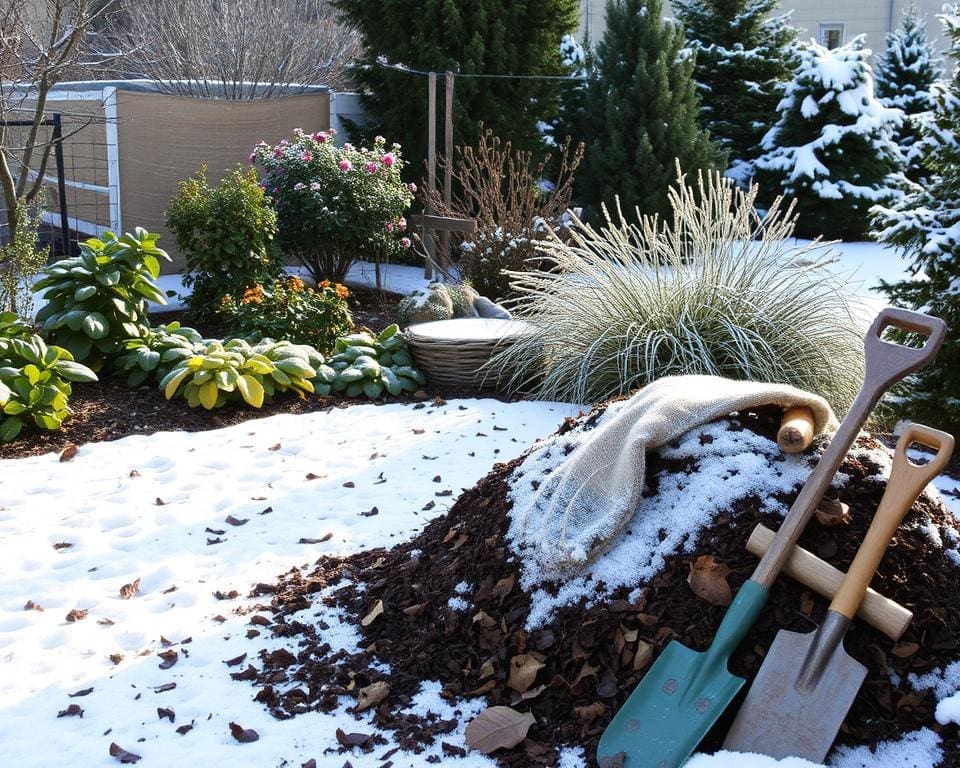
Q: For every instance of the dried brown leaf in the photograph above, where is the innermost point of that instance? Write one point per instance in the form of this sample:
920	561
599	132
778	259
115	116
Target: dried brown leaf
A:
243	735
498	728
523	671
371	695
708	580
69	452
123	755
129	590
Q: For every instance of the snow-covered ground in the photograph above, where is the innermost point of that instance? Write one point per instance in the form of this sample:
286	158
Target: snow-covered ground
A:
186	516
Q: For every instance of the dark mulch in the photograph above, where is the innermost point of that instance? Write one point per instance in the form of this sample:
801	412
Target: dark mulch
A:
589	653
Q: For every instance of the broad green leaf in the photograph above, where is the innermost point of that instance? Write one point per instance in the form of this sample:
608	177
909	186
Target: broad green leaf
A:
84	292
95	325
10	428
174	382
72	371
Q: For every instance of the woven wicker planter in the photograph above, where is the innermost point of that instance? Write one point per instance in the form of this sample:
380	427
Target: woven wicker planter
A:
451	352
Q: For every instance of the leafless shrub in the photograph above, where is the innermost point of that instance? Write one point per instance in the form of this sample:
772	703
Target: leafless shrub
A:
221	48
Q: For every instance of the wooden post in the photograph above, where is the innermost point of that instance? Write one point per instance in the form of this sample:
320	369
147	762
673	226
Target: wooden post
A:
445	254
428	240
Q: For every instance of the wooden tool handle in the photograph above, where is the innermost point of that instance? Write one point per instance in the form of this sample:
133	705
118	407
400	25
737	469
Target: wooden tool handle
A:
885	364
796	429
880	612
906	482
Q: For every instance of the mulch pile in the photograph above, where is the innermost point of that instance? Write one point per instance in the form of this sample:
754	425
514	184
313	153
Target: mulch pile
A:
574	673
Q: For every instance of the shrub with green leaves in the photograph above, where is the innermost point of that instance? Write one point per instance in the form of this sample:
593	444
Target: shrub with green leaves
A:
98	300
236	370
226	233
370	365
290	309
718	290
34	379
152	355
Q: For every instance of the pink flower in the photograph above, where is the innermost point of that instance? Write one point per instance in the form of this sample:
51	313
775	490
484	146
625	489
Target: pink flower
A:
405	242
412	187
332	131
284	143
345	165
320	138
315	186
379	139
253	157
299	185
307	156
348	146
402	223
388	159
389	226
298	131
371	167
277	152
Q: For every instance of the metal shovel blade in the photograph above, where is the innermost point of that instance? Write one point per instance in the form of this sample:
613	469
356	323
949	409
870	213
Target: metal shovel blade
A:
681	696
780	720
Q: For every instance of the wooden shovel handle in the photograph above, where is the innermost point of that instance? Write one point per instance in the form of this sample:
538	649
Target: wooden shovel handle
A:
796	429
906	482
885	364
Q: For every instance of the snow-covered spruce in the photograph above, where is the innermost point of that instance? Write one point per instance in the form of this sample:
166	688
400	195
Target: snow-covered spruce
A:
925	224
745	54
832	148
905	73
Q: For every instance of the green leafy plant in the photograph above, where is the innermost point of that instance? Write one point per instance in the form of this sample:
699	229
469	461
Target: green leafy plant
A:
34	379
718	290
290	309
20	260
235	370
226	233
370	365
97	300
335	204
152	355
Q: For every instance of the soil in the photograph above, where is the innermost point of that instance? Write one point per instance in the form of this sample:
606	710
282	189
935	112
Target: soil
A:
589	655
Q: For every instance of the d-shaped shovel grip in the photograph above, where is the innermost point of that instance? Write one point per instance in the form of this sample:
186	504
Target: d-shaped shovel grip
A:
886	363
907	481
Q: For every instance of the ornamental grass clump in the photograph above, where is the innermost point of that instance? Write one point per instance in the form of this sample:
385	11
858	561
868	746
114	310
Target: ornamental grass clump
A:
335	205
718	290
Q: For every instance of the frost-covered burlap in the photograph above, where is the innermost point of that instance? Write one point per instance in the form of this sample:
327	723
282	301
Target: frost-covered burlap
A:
592	495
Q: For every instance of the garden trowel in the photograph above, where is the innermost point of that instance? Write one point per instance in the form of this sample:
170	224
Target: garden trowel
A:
684	692
807	681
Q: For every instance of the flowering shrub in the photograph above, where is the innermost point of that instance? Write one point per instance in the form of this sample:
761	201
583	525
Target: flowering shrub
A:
289	309
335	204
226	234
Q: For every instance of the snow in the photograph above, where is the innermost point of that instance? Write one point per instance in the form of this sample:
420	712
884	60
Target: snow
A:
468	329
152	524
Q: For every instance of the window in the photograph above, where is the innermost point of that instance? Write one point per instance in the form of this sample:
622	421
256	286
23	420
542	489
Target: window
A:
831	35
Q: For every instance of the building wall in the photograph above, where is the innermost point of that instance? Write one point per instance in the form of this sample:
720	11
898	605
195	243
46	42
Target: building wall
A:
873	17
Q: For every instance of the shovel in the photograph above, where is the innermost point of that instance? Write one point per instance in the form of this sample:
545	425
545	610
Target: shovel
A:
684	692
807	681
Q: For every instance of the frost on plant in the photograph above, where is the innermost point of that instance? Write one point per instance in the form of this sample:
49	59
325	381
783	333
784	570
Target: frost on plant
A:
716	290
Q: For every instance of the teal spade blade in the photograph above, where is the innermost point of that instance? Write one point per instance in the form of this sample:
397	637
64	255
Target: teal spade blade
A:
681	696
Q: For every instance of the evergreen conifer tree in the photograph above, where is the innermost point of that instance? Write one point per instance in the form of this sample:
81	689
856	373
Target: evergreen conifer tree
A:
468	37
904	75
642	108
925	225
745	57
832	147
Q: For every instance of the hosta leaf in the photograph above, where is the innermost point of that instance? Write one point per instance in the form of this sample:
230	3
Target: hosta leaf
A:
174	379
208	394
72	371
47	421
251	390
74	319
10	428
95	325
84	292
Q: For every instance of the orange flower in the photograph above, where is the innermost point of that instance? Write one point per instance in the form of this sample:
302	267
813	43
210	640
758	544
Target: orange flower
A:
226	301
342	291
324	283
253	295
295	283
